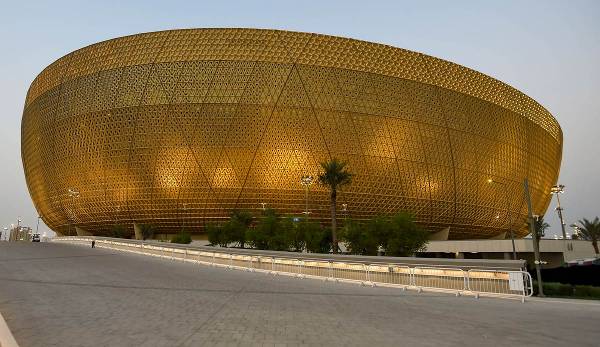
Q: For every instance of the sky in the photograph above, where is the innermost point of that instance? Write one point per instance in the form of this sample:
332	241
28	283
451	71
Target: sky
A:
549	50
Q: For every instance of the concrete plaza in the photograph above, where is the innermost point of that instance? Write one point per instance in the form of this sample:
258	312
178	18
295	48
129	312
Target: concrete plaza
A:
69	295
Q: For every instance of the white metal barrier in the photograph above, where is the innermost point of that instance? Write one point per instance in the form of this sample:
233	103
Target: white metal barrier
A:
475	282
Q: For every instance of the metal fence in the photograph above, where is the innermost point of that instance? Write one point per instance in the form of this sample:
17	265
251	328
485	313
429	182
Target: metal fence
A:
475	282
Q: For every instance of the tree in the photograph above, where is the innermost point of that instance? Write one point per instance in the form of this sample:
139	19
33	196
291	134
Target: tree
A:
317	239
296	233
379	229
216	235
236	227
281	237
540	227
147	231
405	237
334	176
590	231
359	239
261	236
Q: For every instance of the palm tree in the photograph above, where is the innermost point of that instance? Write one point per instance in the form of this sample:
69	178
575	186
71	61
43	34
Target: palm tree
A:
334	176
590	231
540	227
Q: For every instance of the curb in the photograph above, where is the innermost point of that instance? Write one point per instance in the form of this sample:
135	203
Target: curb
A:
6	337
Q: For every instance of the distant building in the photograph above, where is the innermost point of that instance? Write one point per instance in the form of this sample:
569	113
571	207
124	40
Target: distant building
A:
20	233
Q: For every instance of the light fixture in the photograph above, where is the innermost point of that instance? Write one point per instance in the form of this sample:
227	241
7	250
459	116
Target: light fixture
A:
557	189
306	180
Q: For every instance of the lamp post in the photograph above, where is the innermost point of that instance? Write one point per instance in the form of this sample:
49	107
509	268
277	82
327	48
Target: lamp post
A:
534	236
306	181
73	194
512	235
557	190
37	228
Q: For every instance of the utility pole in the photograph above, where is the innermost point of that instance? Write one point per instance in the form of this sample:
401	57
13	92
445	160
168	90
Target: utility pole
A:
306	181
37	228
534	236
557	190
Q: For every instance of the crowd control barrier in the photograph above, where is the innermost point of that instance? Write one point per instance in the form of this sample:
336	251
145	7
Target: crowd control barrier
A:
473	282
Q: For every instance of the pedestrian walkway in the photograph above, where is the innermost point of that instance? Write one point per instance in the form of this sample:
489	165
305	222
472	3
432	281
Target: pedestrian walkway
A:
54	294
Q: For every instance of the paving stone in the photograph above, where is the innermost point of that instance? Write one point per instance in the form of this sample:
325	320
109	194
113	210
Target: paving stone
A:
69	295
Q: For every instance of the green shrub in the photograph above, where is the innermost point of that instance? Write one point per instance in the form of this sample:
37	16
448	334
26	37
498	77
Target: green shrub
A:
568	290
262	235
406	237
359	239
558	289
182	237
399	235
587	292
147	231
236	228
318	239
118	231
215	235
272	232
296	233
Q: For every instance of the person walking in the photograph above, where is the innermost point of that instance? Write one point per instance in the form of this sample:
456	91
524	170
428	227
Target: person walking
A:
93	243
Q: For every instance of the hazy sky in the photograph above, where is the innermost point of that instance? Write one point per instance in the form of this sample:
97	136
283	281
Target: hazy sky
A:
550	50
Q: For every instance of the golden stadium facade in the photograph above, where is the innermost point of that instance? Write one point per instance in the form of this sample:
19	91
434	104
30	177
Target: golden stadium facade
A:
178	128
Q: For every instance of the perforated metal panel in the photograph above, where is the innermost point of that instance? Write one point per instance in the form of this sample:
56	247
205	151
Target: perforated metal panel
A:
180	127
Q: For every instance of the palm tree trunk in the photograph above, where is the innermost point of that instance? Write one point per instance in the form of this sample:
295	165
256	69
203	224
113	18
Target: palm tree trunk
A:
334	244
595	244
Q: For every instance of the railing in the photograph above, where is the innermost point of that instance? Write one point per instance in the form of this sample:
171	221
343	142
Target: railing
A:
473	281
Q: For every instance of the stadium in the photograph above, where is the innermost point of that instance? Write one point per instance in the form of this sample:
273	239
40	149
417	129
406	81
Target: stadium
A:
179	128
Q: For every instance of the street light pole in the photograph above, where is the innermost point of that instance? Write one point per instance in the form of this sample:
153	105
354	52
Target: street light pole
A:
306	181
557	190
534	236
512	235
38	225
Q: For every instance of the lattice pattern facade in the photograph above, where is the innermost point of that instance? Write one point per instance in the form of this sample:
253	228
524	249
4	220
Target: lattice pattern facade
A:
180	127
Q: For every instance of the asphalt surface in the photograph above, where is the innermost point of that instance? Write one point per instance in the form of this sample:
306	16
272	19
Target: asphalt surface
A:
56	294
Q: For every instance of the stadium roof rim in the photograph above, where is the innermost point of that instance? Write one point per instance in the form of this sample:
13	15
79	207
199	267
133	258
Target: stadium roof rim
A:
317	49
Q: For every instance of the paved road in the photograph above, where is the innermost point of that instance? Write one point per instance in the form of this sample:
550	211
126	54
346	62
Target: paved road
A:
68	295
